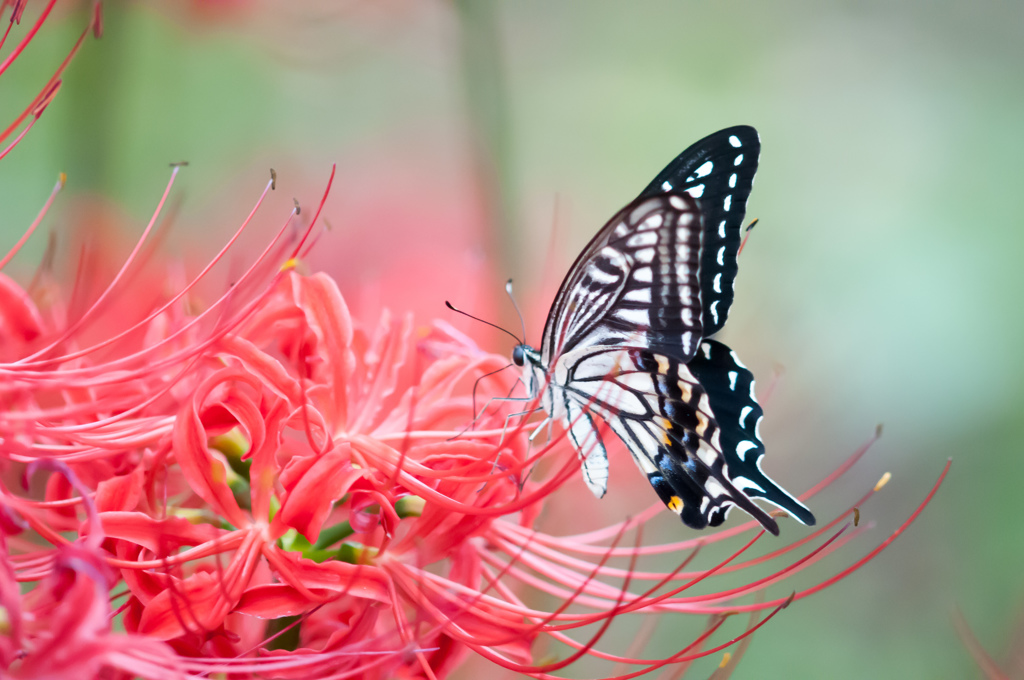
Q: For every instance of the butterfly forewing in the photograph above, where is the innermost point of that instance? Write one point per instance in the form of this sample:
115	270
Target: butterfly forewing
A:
719	172
636	283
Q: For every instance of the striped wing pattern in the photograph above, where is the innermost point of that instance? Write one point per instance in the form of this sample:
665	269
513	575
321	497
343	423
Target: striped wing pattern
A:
625	342
635	282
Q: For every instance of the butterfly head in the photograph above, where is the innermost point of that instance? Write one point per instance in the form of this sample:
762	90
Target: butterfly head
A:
533	367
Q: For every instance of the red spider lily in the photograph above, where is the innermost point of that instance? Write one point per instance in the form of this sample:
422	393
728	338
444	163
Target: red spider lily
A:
61	628
263	486
269	488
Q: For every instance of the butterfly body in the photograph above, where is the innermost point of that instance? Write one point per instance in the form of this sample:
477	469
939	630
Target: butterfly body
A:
626	349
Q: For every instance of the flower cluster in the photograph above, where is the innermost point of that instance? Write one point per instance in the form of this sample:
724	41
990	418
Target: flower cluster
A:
262	486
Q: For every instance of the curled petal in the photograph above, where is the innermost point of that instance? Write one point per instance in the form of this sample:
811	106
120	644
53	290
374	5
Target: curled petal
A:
314	483
207	475
121	492
327	316
159	536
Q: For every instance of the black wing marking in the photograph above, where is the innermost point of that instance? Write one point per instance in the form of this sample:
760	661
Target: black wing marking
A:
730	389
636	283
666	418
718	171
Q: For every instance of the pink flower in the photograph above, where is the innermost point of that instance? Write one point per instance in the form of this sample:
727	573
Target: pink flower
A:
260	484
62	627
268	458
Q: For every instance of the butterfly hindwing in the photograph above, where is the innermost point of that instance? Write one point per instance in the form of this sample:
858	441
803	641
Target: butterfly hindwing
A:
719	172
730	389
657	406
586	437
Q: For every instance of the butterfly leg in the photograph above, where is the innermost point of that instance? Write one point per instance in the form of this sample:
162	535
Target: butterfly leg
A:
484	410
545	424
497	459
515	415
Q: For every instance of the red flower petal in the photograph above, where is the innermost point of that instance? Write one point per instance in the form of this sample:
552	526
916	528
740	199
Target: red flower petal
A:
314	483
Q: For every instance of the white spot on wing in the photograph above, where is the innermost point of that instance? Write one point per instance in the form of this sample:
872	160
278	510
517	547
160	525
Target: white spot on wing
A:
718	282
732	181
600	275
732	380
721	256
644	256
634	316
696	191
643	274
715	488
742	483
709	456
644	238
705	170
747	410
714	312
652	222
706	348
734	140
727	204
721	229
677	202
667	186
739	160
638	295
743	447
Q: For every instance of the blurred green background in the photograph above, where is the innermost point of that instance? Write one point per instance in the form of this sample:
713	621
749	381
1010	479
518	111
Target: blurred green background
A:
883	280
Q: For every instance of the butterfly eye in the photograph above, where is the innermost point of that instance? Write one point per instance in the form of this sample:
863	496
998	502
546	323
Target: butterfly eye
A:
518	356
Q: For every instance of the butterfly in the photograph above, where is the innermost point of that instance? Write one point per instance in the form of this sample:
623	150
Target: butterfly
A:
627	341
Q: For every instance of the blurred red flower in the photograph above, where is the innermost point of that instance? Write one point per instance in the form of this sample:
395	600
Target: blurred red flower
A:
265	486
266	458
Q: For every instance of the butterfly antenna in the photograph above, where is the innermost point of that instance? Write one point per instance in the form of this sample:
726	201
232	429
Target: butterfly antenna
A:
746	235
522	324
475	318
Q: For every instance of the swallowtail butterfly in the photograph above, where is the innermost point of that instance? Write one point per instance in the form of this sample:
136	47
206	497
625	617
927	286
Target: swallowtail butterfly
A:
627	342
